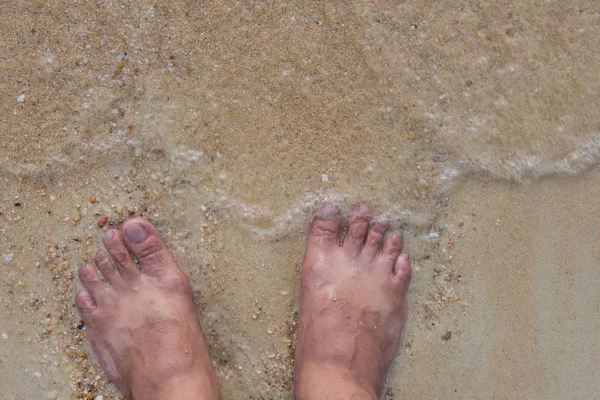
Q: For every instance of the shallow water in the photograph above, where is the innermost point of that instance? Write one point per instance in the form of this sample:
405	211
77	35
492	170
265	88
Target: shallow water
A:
225	123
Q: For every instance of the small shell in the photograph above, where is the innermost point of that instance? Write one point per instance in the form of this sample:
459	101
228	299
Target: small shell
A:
102	222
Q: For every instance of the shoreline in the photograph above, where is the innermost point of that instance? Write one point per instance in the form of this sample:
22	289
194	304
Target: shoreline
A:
472	300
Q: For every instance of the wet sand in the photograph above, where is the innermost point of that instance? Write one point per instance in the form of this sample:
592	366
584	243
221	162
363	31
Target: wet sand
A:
513	277
471	125
525	324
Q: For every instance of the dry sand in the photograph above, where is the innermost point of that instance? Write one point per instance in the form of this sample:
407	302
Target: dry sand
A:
471	125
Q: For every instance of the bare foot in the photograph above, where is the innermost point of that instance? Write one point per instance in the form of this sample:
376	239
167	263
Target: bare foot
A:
352	307
142	326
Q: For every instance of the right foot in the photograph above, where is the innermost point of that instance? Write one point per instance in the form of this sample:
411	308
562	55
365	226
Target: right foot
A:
353	307
142	325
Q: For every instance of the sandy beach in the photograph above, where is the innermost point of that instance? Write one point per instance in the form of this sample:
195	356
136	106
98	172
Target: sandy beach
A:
474	127
527	257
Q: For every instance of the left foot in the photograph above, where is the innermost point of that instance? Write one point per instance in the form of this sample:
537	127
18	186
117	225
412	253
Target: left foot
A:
142	325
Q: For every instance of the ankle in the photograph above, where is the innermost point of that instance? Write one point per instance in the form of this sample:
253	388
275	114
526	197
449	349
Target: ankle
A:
331	382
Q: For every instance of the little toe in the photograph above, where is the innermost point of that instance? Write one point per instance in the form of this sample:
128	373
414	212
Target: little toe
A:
375	236
402	272
90	279
128	269
145	243
84	303
392	247
107	268
324	231
357	229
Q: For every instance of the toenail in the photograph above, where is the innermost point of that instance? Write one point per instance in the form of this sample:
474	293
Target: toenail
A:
382	220
109	235
399	232
136	233
327	210
363	208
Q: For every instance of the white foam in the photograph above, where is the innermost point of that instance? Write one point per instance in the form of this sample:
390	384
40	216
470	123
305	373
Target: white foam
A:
534	167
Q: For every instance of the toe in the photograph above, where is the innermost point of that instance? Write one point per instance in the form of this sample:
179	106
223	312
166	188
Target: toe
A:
392	247
90	279
324	231
84	303
375	236
113	241
402	272
107	268
357	229
145	243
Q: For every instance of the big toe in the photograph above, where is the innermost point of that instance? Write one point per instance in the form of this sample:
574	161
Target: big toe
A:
324	233
144	242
